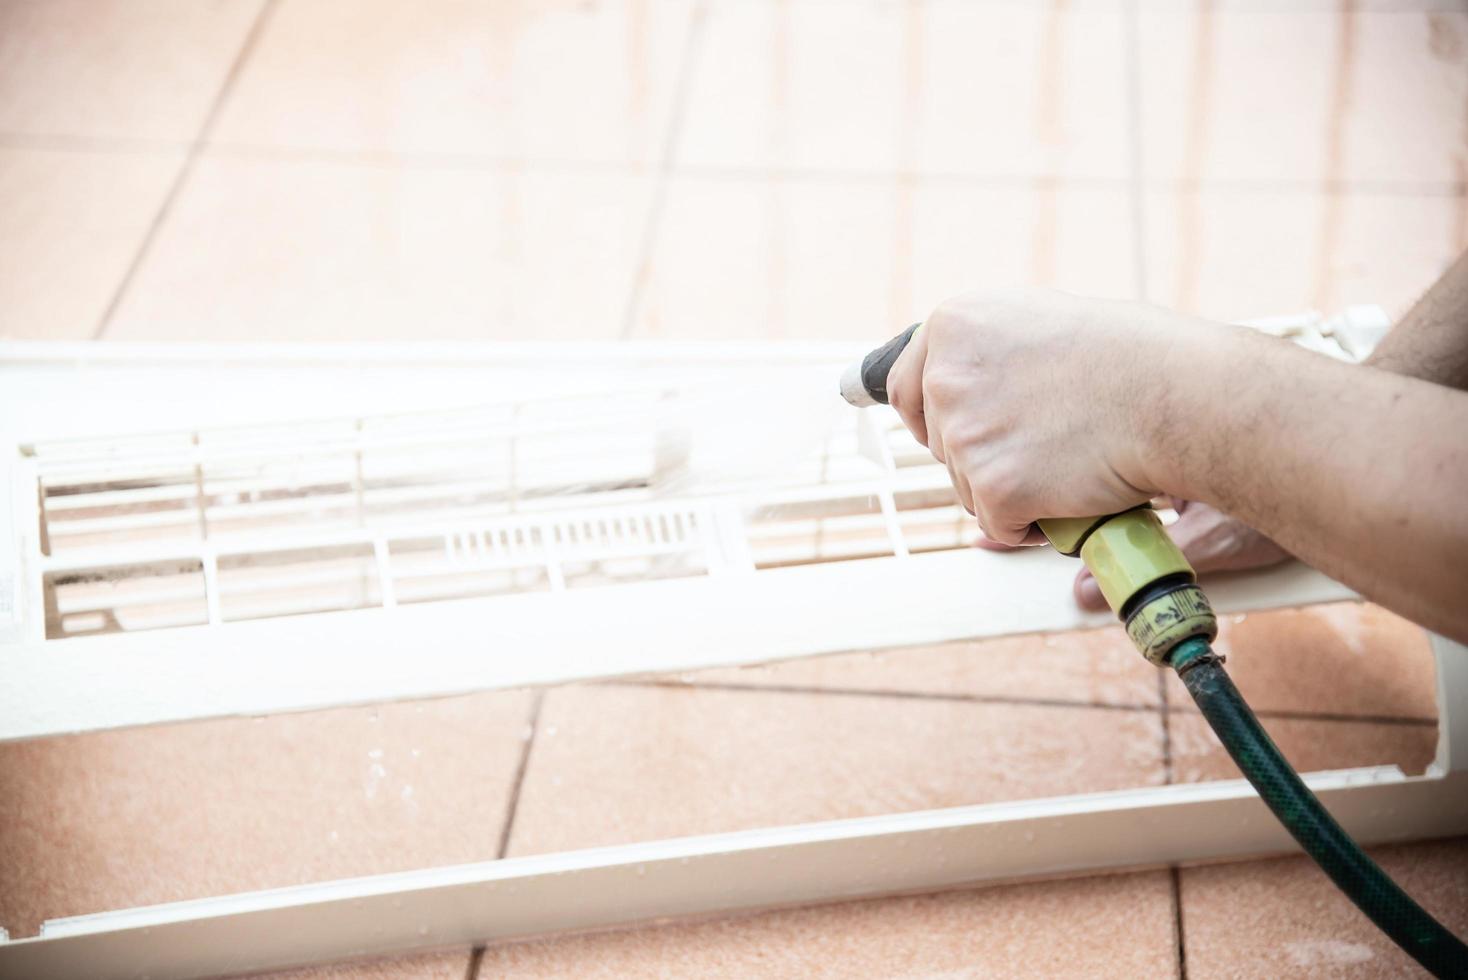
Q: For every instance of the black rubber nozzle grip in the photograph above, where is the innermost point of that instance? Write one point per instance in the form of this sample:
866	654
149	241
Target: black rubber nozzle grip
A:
876	365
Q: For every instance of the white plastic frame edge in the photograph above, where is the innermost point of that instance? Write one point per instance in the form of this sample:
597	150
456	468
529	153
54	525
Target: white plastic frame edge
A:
300	663
614	886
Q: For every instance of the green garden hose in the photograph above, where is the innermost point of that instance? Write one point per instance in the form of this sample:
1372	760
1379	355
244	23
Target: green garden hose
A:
1146	579
1393	910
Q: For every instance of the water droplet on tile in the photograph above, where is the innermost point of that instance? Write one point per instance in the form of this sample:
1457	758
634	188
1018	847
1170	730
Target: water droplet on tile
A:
641	870
550	731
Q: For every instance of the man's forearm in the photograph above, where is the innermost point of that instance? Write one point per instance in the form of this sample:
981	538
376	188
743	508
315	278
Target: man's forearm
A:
1431	341
1359	472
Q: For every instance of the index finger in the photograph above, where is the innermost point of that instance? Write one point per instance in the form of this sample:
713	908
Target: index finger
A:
905	385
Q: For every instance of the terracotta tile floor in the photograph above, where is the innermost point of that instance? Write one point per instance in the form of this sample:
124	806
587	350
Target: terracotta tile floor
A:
70	231
113	819
319	169
270	249
463	80
1118	926
101	71
428	966
614	764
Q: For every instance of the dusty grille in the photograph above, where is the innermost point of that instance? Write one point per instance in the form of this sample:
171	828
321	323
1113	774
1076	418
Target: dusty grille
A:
218	526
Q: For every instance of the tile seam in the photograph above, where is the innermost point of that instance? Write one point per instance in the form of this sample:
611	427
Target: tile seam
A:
71	143
410	160
1131	29
658	201
512	807
186	167
1282	714
1334	717
1179	935
476	957
856	692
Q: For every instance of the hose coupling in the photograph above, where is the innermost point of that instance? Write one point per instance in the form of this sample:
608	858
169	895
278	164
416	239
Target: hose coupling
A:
1166	616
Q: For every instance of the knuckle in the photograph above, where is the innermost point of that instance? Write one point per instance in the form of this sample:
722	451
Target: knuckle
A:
949	317
1003	490
942	381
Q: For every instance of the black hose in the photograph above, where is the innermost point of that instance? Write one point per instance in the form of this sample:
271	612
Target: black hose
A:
1363	881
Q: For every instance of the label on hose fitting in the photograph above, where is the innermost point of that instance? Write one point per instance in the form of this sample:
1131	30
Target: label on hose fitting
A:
1162	623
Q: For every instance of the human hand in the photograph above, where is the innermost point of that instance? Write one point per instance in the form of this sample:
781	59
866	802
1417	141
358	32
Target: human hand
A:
1210	540
1043	404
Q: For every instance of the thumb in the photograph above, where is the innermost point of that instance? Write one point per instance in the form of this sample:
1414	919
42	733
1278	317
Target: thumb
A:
1088	592
1214	542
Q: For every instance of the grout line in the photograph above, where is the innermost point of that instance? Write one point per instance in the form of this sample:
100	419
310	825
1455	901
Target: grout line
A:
476	956
1337	115
431	159
1189	218
1285	715
855	692
72	143
1177	922
659	199
186	169
1131	28
473	162
520	769
1326	716
1294	185
1164	710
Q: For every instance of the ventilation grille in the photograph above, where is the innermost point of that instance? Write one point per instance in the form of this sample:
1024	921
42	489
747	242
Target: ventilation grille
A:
214	527
275	481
